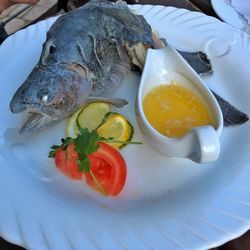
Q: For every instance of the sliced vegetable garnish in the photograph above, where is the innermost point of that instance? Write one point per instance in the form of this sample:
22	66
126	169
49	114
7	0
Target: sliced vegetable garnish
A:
72	128
87	155
109	168
66	161
117	127
92	115
109	125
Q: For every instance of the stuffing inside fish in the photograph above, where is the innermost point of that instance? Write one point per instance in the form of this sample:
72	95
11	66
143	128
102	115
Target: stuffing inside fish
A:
86	55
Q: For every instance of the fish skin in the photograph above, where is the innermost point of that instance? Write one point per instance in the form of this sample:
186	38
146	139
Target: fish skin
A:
84	55
231	115
198	61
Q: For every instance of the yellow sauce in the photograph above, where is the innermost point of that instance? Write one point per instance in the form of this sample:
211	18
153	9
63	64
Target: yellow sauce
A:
174	110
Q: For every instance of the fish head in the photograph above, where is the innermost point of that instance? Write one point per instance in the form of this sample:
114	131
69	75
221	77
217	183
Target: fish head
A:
49	95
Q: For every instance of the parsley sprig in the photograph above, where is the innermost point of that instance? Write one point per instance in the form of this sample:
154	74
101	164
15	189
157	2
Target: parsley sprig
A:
84	144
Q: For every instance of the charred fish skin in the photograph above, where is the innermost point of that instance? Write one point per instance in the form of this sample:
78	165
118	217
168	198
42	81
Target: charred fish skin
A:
98	45
231	115
85	55
198	61
52	95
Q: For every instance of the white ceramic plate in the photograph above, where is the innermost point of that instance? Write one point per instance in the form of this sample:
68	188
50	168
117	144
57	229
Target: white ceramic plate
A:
227	13
166	203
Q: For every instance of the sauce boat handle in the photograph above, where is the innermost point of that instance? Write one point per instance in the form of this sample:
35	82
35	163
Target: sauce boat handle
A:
207	146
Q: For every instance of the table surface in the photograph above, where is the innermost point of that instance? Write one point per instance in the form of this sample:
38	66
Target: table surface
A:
241	243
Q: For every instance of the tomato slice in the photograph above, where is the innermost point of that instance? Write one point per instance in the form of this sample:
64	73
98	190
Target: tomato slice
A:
109	168
65	161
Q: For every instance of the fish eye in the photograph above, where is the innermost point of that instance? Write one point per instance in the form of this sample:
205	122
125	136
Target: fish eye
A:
52	49
45	98
43	95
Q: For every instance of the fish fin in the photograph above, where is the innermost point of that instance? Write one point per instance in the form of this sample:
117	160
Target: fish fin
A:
198	61
117	102
231	115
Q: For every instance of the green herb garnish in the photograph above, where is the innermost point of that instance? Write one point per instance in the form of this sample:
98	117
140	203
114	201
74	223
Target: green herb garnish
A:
84	144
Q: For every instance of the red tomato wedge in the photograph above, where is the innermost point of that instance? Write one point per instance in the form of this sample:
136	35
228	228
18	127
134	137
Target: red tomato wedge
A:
108	168
65	161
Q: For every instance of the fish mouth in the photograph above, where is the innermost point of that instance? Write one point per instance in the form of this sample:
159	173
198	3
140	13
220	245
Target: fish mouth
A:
36	122
37	108
40	117
15	107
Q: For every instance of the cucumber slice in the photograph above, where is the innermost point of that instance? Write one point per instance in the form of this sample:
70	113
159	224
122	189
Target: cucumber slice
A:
71	127
92	115
117	127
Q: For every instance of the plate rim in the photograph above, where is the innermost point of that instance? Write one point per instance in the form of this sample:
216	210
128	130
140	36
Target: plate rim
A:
243	229
232	22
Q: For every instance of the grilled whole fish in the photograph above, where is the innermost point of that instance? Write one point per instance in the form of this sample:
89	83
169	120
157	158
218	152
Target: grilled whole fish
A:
86	55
